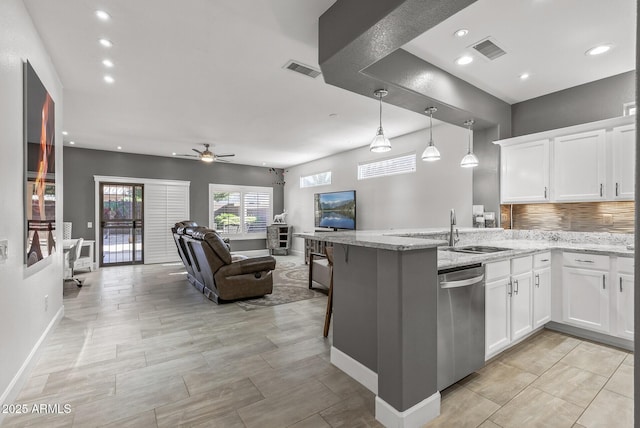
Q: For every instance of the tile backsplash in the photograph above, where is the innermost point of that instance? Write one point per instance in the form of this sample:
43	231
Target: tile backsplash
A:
613	217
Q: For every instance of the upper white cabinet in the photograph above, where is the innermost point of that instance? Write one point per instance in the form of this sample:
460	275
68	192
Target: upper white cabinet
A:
579	162
525	169
589	162
623	141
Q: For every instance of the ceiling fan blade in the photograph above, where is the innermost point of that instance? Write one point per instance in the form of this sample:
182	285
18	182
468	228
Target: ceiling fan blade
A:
189	156
222	160
197	151
225	155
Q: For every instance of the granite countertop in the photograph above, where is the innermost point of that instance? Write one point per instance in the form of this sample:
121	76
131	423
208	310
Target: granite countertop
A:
415	239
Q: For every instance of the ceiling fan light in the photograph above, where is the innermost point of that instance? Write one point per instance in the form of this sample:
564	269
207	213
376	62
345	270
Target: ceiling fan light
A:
206	158
380	143
430	154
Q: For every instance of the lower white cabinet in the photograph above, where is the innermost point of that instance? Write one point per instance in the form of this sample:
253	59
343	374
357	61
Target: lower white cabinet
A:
585	291
623	289
541	289
508	303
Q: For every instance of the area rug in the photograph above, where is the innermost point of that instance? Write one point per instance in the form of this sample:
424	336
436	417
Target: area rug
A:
290	284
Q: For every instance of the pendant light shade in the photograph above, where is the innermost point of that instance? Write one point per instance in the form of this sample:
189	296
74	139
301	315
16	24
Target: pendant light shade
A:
380	143
431	153
469	160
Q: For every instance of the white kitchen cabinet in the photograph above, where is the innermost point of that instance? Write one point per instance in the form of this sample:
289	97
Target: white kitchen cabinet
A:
579	162
541	289
585	291
525	172
508	305
623	140
624	291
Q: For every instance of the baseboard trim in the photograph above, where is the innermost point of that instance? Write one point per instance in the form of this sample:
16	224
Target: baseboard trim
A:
18	381
416	416
367	377
591	335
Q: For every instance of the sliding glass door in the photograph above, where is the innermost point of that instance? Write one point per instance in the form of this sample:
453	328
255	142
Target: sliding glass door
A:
121	224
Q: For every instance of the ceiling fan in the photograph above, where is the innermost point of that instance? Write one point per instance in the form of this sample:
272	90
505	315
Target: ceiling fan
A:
208	156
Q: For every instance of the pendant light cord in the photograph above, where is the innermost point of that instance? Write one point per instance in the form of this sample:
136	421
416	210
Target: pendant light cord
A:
380	98
431	128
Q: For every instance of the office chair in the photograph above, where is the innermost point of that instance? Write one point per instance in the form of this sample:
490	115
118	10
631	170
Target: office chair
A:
72	256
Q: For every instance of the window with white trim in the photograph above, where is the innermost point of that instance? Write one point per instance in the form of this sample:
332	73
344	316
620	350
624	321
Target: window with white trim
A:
240	212
629	108
391	166
319	179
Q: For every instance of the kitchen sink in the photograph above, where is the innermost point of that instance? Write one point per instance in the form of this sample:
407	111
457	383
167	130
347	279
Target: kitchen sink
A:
476	249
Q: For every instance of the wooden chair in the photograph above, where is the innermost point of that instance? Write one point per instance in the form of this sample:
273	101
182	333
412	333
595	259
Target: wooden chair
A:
327	317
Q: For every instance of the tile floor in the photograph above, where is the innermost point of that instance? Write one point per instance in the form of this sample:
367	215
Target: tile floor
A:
139	347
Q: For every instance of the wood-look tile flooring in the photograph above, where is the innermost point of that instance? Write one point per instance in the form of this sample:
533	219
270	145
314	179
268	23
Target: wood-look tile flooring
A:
140	347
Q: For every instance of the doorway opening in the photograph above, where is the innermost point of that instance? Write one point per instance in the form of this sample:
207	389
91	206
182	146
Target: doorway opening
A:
121	224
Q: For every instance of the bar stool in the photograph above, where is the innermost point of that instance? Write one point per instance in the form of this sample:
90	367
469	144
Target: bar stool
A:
327	317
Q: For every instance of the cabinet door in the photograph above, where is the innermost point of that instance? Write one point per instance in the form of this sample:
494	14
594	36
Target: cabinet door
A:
624	306
521	315
586	298
624	155
525	172
496	316
579	167
541	297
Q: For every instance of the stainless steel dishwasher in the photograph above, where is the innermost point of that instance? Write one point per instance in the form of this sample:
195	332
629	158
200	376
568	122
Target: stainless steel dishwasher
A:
460	323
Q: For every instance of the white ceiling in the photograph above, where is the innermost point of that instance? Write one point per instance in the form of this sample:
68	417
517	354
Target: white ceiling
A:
189	72
545	38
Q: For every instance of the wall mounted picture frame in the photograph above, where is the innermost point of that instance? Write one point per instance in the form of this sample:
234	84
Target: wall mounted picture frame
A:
39	168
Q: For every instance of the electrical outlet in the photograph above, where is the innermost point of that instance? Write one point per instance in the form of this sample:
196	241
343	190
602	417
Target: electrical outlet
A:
607	219
89	225
46	302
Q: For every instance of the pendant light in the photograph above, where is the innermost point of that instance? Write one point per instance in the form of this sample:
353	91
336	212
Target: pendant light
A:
431	153
380	143
469	160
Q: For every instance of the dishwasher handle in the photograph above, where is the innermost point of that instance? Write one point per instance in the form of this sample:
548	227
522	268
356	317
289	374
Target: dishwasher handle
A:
462	282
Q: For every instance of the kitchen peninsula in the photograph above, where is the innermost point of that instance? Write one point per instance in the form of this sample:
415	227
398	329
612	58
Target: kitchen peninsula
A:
385	302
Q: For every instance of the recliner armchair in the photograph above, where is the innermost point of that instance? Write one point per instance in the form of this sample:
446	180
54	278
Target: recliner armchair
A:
225	279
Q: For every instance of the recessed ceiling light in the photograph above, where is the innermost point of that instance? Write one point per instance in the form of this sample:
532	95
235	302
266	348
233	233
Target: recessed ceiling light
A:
72	142
333	115
173	154
119	147
464	60
106	43
109	79
598	50
524	76
65	133
102	15
107	63
461	32
264	163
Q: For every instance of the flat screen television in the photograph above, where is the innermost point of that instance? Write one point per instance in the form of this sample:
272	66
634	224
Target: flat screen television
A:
336	210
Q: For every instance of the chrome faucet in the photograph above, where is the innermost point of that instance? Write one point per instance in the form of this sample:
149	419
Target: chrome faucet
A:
452	222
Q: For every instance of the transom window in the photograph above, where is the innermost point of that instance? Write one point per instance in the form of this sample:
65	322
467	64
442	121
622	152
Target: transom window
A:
391	166
319	179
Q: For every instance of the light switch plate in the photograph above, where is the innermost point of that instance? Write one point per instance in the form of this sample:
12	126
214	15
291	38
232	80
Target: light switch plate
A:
4	250
607	219
89	225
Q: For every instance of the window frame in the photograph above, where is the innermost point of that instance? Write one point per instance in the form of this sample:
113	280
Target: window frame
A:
329	173
230	188
387	174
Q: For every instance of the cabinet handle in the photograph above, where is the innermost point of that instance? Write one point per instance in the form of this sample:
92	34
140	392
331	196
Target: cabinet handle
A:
510	289
538	280
601	189
617	185
545	192
604	284
516	291
584	261
544	260
621	284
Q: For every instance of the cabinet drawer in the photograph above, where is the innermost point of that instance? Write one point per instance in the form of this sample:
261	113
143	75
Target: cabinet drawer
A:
497	270
541	260
625	264
587	261
521	265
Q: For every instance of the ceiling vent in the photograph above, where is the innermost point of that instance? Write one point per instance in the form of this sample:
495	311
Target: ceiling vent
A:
302	69
489	49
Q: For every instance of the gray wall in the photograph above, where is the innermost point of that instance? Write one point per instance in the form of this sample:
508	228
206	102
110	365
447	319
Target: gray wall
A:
80	165
486	176
601	99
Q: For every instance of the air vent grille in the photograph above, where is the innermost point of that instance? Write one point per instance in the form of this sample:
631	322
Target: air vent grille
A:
489	49
302	69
